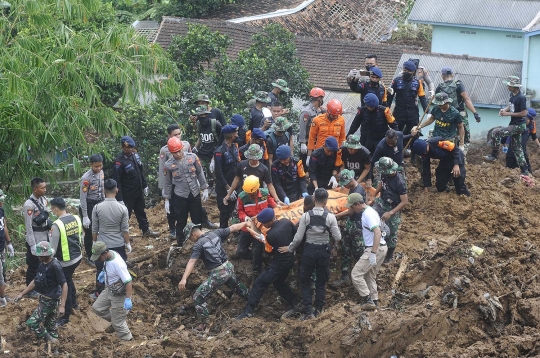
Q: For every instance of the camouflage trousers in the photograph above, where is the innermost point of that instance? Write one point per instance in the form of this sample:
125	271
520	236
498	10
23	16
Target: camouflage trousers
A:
210	177
352	245
45	314
393	223
514	132
465	120
224	274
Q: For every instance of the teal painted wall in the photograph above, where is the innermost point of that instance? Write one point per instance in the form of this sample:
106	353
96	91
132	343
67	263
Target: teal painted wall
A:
484	43
533	82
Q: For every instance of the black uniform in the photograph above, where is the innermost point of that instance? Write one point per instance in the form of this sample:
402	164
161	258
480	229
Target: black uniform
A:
209	138
289	181
321	168
274	141
443	173
394	153
373	126
366	87
217	114
280	234
225	162
273	97
357	161
406	110
129	176
256	118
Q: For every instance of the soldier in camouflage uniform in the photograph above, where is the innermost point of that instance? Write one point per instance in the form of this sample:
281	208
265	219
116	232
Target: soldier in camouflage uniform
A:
393	198
207	247
52	287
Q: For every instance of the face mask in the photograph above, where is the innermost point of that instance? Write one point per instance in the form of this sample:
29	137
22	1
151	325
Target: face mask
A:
407	76
373	83
369	67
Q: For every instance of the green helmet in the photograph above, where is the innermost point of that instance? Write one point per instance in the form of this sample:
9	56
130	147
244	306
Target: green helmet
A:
352	142
281	124
43	248
262	96
512	81
254	152
345	177
202	110
188	229
387	166
281	84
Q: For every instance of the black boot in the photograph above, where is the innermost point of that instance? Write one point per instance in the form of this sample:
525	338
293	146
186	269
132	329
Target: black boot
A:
389	255
343	280
206	223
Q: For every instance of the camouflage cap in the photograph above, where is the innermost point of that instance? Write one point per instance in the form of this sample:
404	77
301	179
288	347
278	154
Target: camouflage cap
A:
250	104
441	98
254	152
98	248
188	229
202	110
43	248
345	177
281	124
352	142
387	166
281	84
512	81
262	96
202	98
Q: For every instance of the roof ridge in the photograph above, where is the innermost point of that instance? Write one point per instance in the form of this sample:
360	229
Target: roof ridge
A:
462	57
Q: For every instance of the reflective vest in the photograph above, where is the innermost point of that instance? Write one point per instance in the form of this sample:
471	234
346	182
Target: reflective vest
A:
70	228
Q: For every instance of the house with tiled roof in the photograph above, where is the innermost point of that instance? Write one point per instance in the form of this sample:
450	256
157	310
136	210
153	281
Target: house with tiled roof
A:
484	41
326	60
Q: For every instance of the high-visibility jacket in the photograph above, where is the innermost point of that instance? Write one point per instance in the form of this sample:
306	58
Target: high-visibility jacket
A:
322	128
69	245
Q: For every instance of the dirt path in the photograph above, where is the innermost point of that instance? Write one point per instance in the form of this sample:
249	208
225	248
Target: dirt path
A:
439	308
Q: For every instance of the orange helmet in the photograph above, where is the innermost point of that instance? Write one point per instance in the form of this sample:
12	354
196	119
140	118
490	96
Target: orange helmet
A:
334	107
174	144
316	92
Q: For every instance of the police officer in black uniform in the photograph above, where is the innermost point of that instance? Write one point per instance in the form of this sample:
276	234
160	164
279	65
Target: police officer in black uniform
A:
288	176
371	85
129	176
226	159
324	166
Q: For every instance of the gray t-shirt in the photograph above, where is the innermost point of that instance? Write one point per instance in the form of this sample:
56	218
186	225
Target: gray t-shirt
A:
109	221
208	249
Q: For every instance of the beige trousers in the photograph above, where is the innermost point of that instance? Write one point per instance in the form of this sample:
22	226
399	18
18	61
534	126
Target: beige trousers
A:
364	275
111	308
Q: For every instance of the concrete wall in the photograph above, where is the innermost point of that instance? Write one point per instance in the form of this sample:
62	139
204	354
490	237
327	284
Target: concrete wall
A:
533	82
483	43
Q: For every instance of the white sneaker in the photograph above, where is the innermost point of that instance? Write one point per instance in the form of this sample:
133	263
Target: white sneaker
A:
3	302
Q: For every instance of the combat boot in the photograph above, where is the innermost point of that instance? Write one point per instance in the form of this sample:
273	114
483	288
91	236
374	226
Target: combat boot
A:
248	313
150	233
493	157
343	280
389	255
206	223
367	303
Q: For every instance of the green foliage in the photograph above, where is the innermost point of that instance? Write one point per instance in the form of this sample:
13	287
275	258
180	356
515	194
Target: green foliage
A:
186	8
413	34
56	66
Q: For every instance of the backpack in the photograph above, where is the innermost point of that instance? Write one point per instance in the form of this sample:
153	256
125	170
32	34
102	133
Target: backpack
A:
450	88
212	124
270	134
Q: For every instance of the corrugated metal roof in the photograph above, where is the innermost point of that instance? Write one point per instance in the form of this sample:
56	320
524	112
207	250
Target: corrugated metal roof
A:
507	14
482	77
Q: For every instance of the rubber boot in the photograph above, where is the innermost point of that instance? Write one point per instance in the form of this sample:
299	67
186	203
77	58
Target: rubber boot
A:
389	255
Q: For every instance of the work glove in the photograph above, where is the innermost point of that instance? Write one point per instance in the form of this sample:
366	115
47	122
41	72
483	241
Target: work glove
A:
194	150
101	277
146	191
462	147
307	161
333	182
128	248
86	222
505	149
122	202
33	249
477	117
247	219
11	251
287	201
211	166
303	148
304	195
431	93
128	305
205	195
167	207
163	192
372	259
233	197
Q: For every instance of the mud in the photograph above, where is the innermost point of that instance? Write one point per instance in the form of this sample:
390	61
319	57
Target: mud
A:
447	303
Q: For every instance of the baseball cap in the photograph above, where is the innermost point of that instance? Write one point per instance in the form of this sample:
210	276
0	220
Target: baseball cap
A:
353	199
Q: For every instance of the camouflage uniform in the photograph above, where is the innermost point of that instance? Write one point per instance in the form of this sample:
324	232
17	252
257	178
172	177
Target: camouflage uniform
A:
393	223
352	245
217	277
46	312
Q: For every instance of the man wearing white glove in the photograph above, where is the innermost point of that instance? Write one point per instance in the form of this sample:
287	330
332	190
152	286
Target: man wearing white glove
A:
5	241
364	273
324	165
204	195
333	182
311	111
128	248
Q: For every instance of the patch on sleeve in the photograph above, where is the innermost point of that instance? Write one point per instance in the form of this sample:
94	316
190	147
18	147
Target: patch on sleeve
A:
306	117
162	155
86	183
85	189
29	212
117	165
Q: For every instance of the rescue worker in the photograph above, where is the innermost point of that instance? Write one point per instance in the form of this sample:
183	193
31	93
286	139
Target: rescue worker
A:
208	131
258	137
91	193
352	244
52	288
184	180
5	245
252	166
111	226
276	111
226	159
66	241
448	122
423	75
324	166
517	110
355	75
114	303
355	157
371	85
131	182
204	100
280	86
256	115
451	164
251	201
239	121
288	176
311	111
173	130
455	89
392	147
329	124
374	120
392	200
530	132
207	247
407	88
364	273
278	137
37	225
281	233
317	224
